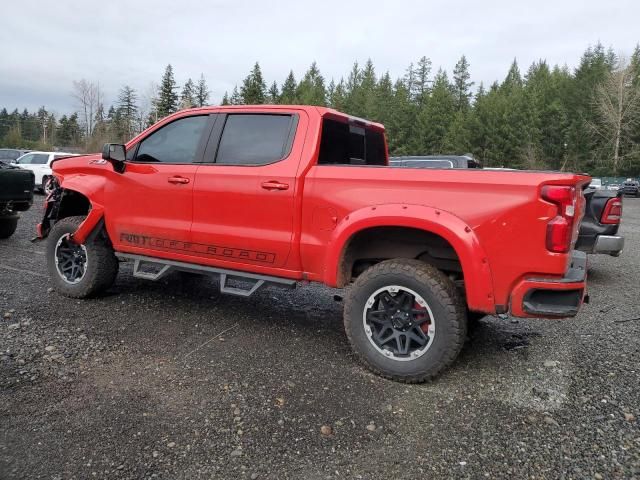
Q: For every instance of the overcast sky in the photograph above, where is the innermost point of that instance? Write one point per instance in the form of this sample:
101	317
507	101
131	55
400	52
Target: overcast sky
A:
46	44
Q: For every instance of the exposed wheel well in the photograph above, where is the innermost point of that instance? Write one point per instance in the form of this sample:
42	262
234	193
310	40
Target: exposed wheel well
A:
373	245
73	204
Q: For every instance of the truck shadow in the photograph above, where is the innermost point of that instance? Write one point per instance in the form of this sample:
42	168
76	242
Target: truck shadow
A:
310	314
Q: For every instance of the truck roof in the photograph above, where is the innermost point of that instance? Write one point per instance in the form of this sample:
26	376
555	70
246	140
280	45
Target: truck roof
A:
311	109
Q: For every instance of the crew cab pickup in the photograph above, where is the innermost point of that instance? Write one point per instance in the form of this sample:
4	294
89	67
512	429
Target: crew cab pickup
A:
284	194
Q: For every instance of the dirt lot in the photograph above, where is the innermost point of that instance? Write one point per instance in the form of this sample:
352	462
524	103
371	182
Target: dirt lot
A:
172	380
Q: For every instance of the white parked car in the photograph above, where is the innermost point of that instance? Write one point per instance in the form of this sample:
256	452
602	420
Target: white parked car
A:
595	183
40	164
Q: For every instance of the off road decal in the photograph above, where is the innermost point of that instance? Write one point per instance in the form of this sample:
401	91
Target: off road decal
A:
213	250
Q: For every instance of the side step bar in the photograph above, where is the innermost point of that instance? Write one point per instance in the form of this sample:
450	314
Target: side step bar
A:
156	268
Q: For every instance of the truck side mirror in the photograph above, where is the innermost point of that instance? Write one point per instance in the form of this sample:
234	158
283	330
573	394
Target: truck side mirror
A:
116	154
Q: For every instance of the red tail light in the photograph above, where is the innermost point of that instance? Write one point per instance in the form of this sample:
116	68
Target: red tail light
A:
612	212
560	229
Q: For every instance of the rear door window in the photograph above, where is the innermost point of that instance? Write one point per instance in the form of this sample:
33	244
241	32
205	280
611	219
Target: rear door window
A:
40	159
255	139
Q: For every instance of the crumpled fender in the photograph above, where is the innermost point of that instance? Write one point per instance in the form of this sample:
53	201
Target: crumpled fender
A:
474	261
92	187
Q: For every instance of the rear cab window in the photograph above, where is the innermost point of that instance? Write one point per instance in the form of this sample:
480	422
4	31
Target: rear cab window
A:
351	143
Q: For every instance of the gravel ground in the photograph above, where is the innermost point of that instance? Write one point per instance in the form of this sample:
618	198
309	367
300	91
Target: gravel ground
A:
173	380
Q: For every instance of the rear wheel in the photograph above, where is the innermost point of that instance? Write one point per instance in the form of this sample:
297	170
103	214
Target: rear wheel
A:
8	226
79	270
405	320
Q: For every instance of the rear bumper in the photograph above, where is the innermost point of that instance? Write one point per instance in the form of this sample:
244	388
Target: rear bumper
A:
609	244
558	297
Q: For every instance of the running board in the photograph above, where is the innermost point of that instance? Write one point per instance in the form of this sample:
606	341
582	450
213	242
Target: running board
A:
162	267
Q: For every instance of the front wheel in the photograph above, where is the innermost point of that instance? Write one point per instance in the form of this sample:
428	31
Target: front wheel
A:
8	226
79	270
405	320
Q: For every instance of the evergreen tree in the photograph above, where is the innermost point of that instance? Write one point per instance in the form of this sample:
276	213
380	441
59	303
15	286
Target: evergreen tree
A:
100	123
634	65
338	96
225	99
126	113
368	92
592	71
384	104
457	140
311	89
513	80
4	123
201	93
462	84
410	82
236	98
288	95
434	119
167	102
354	99
69	132
253	89
420	91
402	122
188	97
274	94
544	90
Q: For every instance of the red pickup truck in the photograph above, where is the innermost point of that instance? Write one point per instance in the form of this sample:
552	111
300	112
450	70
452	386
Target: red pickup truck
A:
282	194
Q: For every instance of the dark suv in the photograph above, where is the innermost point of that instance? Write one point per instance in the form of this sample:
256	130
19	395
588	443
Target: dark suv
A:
630	187
10	155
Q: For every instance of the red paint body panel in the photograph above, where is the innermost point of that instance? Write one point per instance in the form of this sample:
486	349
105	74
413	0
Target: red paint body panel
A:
495	220
525	285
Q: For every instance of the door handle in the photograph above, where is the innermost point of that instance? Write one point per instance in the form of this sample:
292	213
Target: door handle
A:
178	180
274	185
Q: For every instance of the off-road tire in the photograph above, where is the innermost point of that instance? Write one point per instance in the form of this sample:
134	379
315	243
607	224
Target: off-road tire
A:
102	264
447	306
8	226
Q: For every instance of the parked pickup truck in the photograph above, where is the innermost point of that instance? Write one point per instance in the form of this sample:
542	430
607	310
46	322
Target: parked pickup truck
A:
601	222
16	195
282	194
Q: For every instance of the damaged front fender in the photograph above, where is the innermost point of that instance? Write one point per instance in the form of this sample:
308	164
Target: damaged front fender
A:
62	203
51	211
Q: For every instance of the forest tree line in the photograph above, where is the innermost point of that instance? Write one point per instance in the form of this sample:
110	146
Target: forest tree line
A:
586	119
